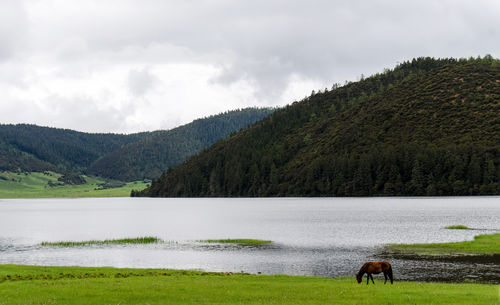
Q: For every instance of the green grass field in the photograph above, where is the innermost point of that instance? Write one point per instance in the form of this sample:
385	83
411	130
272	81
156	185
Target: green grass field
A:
486	244
80	285
36	185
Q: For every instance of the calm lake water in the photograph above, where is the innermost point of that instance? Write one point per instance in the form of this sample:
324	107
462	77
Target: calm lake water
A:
311	236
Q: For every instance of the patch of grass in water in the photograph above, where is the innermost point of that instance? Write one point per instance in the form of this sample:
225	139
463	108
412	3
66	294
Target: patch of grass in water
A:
457	227
237	241
137	240
485	244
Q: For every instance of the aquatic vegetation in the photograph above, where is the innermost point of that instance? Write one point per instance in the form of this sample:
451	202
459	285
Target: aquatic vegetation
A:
457	227
486	244
237	241
136	240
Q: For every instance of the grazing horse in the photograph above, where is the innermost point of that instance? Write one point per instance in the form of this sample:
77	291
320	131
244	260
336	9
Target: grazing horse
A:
374	267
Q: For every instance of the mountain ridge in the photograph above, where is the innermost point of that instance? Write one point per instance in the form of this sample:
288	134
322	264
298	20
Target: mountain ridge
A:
56	148
427	127
148	157
28	147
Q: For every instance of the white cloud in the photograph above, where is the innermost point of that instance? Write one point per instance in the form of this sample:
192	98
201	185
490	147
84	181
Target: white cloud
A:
153	64
139	82
13	27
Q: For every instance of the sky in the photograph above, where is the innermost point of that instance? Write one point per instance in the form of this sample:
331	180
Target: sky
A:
126	66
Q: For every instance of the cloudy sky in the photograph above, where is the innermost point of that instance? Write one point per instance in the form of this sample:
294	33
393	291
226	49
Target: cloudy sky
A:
134	65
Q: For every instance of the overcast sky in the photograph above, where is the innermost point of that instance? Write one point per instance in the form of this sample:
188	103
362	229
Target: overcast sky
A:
136	65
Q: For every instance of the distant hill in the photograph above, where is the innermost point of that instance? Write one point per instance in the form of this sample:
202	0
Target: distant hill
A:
31	148
150	156
427	127
36	148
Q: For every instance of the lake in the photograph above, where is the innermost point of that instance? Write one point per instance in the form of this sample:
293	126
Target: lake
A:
311	236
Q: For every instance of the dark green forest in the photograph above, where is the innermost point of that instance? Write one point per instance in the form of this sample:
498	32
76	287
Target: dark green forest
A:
31	148
35	148
427	127
150	156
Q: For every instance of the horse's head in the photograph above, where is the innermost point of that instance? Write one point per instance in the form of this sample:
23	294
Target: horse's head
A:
358	278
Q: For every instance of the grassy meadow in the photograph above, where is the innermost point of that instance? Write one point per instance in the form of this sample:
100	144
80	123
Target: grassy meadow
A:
83	285
485	244
37	185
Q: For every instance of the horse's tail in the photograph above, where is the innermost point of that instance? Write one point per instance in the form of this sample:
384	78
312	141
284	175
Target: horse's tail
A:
389	272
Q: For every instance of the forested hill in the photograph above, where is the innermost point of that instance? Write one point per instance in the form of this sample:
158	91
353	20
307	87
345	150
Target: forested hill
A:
35	148
150	156
117	156
427	127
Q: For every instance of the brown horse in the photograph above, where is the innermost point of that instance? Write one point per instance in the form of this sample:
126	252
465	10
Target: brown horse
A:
374	267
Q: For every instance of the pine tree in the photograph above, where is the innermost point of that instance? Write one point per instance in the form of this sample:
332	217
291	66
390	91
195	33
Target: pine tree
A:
417	181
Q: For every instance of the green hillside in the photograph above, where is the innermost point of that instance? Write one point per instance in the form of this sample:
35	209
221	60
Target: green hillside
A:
427	127
35	148
150	156
50	185
28	152
12	158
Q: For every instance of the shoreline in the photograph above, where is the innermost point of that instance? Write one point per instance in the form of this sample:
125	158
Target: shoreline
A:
482	254
483	245
24	284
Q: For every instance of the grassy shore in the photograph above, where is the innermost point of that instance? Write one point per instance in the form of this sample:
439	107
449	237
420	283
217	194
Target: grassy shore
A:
36	185
486	244
240	241
80	285
137	240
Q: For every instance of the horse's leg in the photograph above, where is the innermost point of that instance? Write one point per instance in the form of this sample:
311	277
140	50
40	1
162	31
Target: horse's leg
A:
367	278
385	277
372	278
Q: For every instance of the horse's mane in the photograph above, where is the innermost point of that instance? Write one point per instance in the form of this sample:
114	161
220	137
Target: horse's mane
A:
364	267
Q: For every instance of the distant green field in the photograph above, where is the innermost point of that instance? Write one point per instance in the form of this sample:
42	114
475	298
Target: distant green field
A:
36	185
80	285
